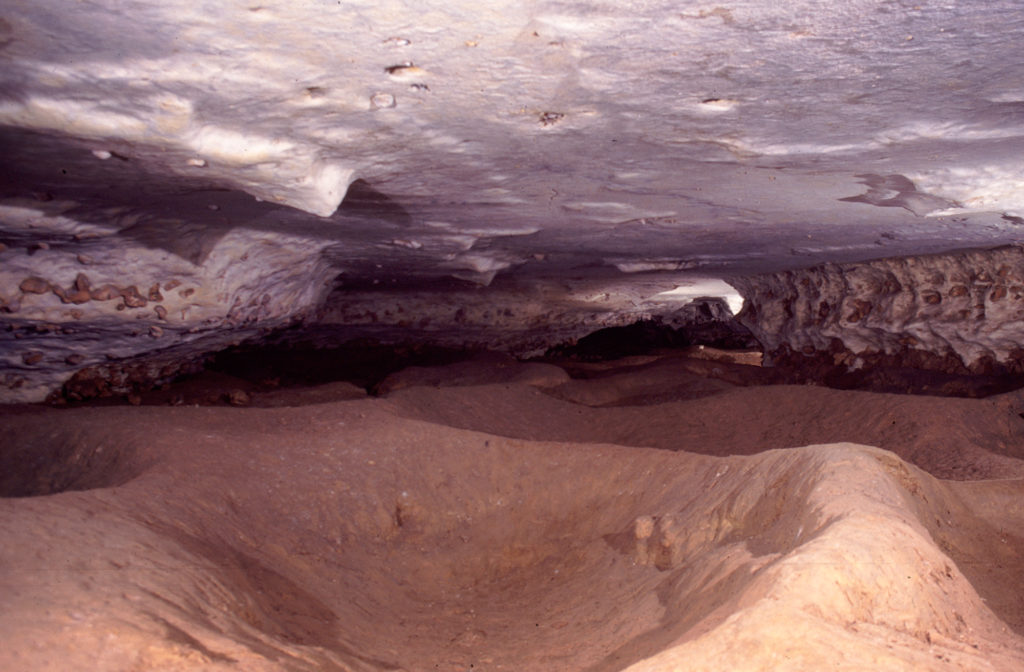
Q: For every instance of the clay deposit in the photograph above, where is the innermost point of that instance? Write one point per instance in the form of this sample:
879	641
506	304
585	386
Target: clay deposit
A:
497	516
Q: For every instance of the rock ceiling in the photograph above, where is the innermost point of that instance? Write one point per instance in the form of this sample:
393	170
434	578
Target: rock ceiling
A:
176	171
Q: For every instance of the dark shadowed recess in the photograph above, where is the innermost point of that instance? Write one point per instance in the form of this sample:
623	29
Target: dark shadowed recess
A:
362	362
36	463
647	336
233	375
307	357
909	372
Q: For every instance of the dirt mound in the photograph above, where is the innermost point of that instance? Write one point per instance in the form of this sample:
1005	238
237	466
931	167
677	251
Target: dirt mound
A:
485	368
494	527
962	439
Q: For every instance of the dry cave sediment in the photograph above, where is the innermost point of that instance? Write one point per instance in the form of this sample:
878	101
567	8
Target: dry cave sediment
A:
473	527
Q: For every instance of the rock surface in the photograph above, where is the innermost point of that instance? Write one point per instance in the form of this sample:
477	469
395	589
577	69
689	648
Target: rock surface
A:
100	304
956	312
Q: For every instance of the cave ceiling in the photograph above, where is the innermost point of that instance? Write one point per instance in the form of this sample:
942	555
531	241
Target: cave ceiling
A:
492	143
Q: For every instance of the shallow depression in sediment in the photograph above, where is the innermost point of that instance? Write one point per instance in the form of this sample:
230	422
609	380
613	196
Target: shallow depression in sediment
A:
419	545
349	535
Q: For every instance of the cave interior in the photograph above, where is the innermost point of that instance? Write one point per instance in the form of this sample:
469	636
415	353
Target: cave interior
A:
550	263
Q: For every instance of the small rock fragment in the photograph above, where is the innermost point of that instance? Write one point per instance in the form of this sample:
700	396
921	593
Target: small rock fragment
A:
185	293
79	293
33	357
549	118
34	285
75	359
238	398
85	259
168	286
155	331
643	527
105	293
71	296
154	293
132	298
161	312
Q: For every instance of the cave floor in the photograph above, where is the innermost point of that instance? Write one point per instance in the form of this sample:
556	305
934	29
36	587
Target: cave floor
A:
654	513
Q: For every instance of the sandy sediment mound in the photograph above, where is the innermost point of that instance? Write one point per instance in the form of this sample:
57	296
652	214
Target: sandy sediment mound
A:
645	384
305	396
487	367
955	438
344	536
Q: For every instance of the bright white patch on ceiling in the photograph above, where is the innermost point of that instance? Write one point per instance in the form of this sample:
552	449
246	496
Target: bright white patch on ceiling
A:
703	287
979	188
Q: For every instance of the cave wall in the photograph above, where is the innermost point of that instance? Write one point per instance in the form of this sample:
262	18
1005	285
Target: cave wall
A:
128	301
523	317
958	312
86	310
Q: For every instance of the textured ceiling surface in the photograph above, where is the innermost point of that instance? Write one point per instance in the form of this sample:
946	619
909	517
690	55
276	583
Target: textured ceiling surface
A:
271	152
750	134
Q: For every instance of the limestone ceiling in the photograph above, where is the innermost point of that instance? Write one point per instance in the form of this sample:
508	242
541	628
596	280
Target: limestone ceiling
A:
486	136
